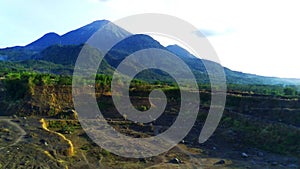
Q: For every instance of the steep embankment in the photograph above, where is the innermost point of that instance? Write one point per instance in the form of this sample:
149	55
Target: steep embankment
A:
46	101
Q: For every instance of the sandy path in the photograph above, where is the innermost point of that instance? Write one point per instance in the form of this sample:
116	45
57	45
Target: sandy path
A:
45	127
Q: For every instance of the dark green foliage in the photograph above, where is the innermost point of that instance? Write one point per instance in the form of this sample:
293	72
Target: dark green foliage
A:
16	86
64	126
289	91
274	137
17	53
65	55
64	80
34	66
273	90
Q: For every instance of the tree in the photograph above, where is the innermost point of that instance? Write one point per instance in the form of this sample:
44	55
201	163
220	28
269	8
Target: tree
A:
289	91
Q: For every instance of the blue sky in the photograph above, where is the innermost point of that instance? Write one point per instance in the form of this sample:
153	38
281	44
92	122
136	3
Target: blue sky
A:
259	37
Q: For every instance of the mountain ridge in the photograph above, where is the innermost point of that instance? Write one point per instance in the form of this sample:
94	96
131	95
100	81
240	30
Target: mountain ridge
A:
132	43
74	37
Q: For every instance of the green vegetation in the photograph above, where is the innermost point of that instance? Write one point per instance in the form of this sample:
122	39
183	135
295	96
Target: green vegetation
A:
64	126
18	84
271	90
38	66
273	137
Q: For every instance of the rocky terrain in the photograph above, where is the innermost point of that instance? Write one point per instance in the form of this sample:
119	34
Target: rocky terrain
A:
42	131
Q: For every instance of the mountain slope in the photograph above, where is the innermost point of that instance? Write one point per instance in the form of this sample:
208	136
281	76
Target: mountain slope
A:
67	55
179	51
44	42
129	46
233	77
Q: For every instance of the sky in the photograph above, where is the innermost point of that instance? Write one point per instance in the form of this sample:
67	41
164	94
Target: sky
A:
257	36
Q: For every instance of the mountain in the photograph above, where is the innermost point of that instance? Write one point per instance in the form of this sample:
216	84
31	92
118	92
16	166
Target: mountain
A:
81	35
64	50
75	37
67	55
44	42
232	77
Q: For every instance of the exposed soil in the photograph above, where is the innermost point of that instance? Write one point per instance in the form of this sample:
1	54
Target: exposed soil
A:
25	143
44	149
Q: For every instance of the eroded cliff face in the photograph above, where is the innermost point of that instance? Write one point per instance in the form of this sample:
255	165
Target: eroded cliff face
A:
38	101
